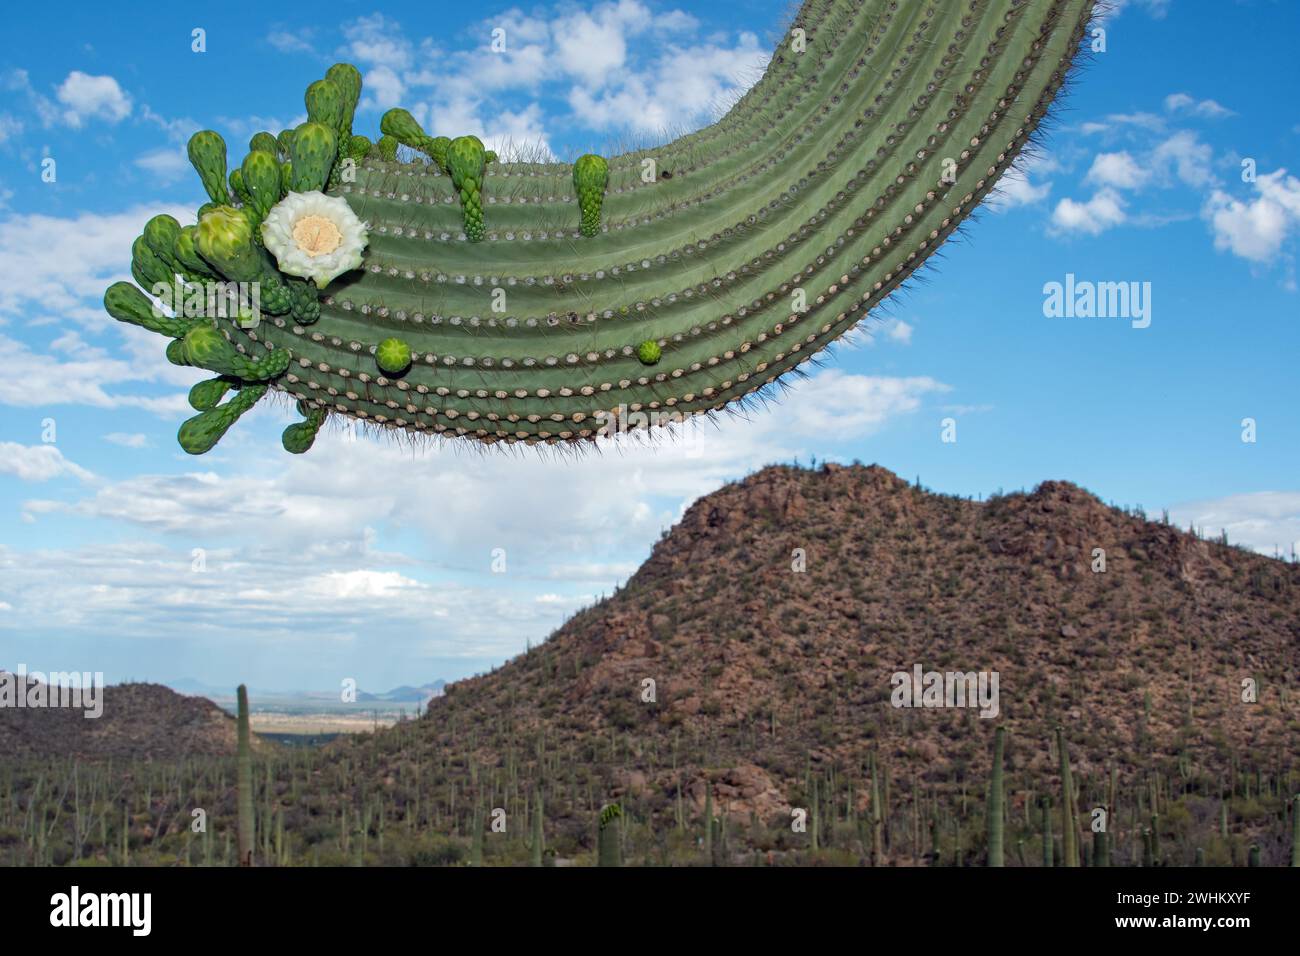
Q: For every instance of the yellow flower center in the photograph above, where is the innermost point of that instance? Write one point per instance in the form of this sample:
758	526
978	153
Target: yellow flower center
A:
316	235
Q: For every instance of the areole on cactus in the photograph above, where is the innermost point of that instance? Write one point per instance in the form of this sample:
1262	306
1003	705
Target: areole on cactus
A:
542	301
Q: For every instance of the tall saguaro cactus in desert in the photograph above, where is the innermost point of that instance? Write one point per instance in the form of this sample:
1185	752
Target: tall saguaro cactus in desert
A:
244	781
455	294
995	805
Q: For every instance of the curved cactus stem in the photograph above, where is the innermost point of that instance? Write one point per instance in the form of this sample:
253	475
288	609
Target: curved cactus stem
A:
702	271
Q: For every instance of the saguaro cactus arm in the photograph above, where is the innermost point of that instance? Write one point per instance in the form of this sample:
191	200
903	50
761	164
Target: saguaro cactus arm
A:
830	182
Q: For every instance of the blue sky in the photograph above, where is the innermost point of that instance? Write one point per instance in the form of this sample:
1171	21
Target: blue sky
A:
342	563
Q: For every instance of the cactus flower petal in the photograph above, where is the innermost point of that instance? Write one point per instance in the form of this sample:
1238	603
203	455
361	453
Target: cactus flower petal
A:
314	236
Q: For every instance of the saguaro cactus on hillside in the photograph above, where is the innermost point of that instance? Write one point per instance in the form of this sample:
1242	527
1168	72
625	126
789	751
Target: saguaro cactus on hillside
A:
549	302
244	782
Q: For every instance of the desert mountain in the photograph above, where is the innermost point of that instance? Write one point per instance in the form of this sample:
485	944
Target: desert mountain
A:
138	722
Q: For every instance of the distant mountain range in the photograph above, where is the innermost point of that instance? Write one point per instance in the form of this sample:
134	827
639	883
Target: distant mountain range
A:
262	699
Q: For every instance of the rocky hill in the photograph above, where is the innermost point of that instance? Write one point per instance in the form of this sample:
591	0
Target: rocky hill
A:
138	722
773	618
749	673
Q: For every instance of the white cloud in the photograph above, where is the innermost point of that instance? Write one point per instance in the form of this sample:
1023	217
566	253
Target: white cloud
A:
135	440
1103	211
38	463
290	41
10	127
49	263
1186	157
1256	229
898	331
1262	520
1118	170
92	97
1184	103
166	165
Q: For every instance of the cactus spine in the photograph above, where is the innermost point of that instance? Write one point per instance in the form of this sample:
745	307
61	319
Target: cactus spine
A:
836	177
996	809
244	781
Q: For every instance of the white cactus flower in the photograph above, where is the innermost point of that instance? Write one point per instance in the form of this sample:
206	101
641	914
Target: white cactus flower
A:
314	236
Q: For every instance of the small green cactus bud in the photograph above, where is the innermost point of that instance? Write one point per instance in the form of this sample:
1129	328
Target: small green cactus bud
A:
393	356
324	102
264	143
312	153
590	178
207	152
649	352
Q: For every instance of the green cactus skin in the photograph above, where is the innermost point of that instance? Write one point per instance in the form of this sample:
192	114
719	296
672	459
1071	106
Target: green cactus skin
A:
237	187
386	148
300	436
1047	832
324	101
393	356
359	148
1253	858
996	807
537	845
244	781
187	251
348	79
199	434
207	152
207	394
466	159
175	352
206	347
590	178
838	174
126	303
225	239
284	141
609	851
304	300
1101	847
437	150
1069	823
312	154
1295	830
162	234
261	176
401	126
264	143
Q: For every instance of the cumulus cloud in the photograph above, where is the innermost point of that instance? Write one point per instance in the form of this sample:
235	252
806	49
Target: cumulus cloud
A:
1265	521
1103	211
92	97
38	463
1256	228
1185	103
1118	170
